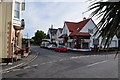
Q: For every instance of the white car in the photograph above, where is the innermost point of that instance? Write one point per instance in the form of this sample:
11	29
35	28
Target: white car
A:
44	44
51	46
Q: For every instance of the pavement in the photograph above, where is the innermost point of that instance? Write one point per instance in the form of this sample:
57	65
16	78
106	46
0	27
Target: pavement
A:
19	63
51	64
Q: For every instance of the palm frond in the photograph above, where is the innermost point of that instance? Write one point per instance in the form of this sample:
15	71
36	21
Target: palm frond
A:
108	26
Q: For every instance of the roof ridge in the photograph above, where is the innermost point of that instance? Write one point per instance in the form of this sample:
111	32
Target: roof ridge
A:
84	20
77	22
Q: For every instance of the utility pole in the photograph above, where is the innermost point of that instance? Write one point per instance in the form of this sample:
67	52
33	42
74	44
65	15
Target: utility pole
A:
27	36
51	32
27	42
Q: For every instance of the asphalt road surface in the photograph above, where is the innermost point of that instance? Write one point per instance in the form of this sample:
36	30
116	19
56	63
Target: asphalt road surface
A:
51	64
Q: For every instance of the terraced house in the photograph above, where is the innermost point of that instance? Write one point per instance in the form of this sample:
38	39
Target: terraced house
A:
11	26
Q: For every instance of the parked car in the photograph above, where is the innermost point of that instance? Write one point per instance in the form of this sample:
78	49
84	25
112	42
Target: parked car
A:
51	46
60	48
44	44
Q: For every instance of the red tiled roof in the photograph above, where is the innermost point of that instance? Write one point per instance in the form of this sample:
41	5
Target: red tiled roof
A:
76	27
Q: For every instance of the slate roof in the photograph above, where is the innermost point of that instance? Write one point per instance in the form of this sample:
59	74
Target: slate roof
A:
63	35
60	29
53	31
47	36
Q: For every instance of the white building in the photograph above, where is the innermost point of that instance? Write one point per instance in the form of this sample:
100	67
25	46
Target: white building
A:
80	35
52	35
59	33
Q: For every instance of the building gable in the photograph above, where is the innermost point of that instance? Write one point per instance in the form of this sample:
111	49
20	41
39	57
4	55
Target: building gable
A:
89	27
65	30
75	27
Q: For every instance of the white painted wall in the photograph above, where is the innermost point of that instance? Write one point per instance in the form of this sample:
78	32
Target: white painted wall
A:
53	36
114	42
17	21
58	34
65	30
90	25
115	39
49	34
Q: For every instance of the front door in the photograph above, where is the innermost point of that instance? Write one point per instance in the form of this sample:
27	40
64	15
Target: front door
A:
85	45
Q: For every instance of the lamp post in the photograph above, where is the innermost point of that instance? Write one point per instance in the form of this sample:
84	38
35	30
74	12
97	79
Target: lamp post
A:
27	42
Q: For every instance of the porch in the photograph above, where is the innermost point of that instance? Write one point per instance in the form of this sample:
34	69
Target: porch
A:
79	42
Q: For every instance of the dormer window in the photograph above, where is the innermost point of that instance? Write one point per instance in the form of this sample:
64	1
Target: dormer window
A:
78	29
90	31
17	10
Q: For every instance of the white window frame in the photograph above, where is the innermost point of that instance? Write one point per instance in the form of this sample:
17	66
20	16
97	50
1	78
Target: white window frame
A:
17	16
78	29
95	41
90	31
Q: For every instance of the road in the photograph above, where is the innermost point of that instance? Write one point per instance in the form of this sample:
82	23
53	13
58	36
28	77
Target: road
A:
51	64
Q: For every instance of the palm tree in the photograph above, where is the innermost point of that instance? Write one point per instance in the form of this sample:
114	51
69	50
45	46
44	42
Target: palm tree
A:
109	15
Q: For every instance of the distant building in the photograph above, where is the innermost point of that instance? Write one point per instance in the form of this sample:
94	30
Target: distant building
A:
52	34
11	26
59	33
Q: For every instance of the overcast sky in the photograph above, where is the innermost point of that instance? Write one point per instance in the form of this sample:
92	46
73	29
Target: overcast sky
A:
41	15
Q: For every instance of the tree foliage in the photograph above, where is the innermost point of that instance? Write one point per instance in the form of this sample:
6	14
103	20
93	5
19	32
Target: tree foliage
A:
23	40
39	35
109	15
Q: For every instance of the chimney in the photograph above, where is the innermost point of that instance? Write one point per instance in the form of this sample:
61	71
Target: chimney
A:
84	18
51	26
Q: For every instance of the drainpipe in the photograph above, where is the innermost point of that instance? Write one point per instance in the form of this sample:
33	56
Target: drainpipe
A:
12	49
119	39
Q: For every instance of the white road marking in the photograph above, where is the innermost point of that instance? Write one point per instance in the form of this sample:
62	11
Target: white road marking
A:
42	63
61	59
26	67
3	64
101	62
16	69
97	63
76	57
35	65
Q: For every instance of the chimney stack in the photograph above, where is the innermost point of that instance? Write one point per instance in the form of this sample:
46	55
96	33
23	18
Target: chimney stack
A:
51	26
84	18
